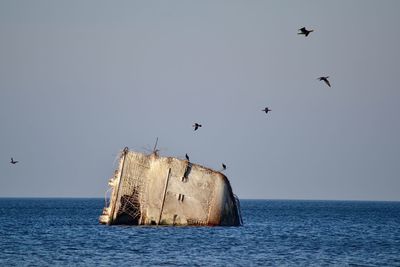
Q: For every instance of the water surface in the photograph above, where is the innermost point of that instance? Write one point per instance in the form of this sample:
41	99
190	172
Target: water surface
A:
50	232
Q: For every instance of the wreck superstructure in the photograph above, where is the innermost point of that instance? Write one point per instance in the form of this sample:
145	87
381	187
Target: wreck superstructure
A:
155	190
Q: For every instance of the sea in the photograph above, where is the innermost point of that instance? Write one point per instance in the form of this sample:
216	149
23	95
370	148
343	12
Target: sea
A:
66	232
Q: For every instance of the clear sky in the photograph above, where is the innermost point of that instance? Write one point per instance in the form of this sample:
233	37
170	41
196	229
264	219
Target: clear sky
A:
80	80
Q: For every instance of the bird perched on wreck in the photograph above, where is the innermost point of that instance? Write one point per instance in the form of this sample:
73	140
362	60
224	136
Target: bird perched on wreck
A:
325	79
13	161
266	110
305	31
187	157
196	126
223	167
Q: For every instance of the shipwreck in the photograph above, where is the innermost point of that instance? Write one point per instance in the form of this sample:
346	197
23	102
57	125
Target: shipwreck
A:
148	189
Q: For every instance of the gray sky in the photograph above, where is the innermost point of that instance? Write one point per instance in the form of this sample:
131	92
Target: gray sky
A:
80	80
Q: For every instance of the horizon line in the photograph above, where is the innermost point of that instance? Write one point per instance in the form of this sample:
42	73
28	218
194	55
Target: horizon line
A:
255	199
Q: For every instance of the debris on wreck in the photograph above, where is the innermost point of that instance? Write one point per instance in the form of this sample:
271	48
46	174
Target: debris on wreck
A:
148	189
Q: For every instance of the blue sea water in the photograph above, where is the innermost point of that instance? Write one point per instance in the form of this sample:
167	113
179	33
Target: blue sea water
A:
66	232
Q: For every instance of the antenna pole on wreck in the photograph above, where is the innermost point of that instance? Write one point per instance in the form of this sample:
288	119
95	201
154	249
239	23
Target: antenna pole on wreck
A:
155	146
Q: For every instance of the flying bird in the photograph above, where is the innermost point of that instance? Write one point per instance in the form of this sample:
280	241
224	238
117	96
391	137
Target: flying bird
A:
223	166
305	31
325	79
187	157
266	110
13	161
196	126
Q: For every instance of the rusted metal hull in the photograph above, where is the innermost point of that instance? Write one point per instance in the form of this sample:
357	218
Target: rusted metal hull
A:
154	190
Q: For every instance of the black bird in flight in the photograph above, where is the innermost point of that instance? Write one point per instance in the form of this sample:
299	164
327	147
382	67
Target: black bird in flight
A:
187	157
196	126
305	31
13	161
325	79
266	110
223	166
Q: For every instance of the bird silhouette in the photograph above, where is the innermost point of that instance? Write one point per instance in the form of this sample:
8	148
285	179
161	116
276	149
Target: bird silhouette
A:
196	126
13	161
266	110
187	157
325	79
305	31
223	166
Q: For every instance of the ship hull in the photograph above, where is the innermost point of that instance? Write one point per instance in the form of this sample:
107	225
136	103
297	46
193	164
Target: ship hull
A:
154	190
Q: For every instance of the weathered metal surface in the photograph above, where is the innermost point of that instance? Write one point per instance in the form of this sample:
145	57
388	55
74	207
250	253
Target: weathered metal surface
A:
149	189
